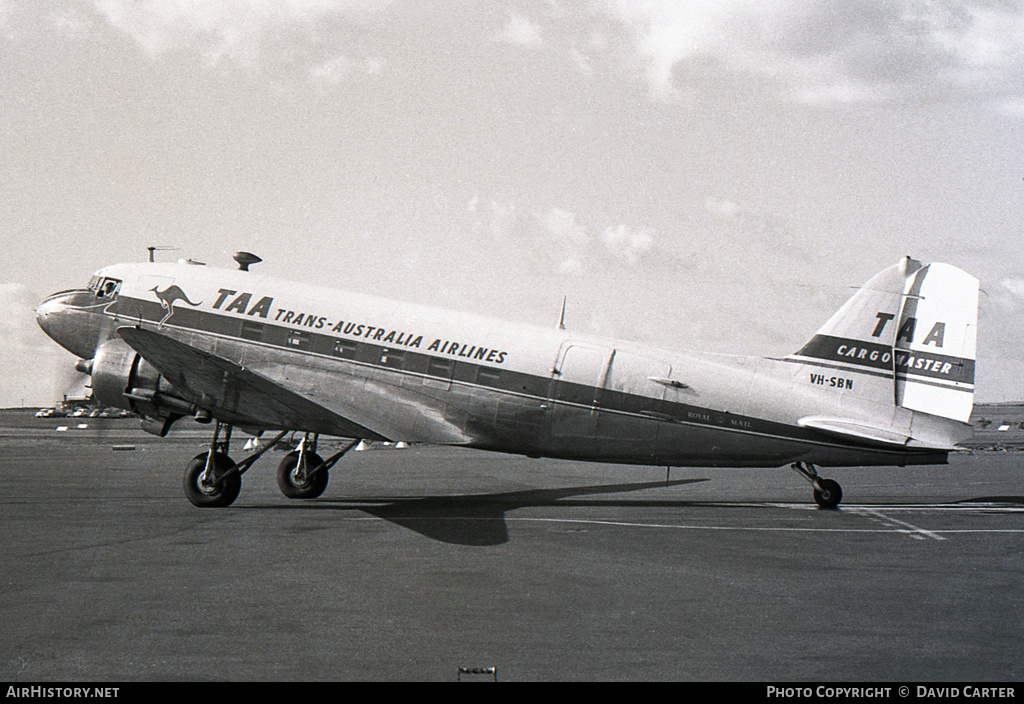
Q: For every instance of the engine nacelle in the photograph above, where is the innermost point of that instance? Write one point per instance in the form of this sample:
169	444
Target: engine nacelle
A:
123	379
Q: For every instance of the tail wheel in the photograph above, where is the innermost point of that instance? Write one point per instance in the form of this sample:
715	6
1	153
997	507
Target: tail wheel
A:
296	484
828	493
209	491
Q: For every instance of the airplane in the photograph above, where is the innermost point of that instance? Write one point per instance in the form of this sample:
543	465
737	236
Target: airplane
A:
887	381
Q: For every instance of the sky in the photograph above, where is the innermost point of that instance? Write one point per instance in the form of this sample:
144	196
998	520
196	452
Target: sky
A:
714	175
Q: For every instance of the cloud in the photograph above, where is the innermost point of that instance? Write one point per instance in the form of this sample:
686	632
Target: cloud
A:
626	244
728	239
570	238
1014	286
1010	107
558	240
338	69
68	22
829	53
222	29
521	31
563	225
818	54
579	252
744	224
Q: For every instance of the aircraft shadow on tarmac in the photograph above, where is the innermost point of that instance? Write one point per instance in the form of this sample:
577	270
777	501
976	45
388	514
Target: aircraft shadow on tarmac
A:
479	519
993	500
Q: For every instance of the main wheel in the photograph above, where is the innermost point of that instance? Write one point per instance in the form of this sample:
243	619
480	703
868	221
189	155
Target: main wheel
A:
208	493
829	494
292	486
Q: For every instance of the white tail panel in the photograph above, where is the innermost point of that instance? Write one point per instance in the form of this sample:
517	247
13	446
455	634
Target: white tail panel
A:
936	343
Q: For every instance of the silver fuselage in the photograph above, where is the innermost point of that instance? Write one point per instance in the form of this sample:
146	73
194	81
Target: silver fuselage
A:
408	372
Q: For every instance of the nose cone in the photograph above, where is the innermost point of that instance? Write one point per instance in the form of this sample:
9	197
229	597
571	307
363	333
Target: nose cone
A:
48	316
67	324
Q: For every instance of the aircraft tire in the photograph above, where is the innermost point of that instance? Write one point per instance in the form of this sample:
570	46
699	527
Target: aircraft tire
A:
829	495
207	496
286	477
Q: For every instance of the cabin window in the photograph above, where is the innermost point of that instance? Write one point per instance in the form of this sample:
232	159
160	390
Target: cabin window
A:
441	367
346	349
299	339
439	373
488	376
392	358
252	331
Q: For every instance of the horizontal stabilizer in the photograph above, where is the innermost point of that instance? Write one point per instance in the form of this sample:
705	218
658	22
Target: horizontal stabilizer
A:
856	429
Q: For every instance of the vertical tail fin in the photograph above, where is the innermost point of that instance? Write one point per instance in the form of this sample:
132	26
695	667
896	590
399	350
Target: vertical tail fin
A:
910	333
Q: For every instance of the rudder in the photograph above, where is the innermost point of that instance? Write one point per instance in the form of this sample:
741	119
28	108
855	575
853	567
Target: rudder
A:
936	342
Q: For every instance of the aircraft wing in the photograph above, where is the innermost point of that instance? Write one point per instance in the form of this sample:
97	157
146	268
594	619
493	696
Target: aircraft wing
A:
243	396
234	393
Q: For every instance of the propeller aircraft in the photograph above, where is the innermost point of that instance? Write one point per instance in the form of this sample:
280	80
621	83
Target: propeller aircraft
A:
887	381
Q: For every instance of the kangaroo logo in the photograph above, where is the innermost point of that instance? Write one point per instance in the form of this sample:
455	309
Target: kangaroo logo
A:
168	297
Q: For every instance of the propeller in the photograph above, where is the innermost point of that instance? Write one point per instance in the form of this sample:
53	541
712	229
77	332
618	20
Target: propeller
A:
69	379
74	380
79	386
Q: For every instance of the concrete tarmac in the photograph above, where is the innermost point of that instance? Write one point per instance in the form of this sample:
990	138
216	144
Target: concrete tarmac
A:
419	561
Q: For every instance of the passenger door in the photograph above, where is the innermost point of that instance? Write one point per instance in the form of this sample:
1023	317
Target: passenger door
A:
574	394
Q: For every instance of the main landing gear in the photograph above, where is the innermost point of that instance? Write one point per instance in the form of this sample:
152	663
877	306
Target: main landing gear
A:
213	480
827	492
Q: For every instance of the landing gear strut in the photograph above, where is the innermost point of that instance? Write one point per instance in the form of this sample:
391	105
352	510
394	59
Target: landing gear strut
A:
303	474
213	480
299	475
827	492
206	482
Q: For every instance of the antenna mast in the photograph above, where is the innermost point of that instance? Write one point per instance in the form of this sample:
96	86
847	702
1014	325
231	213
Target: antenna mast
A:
151	251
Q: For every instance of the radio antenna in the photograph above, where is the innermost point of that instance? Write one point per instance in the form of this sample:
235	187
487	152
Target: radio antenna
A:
151	251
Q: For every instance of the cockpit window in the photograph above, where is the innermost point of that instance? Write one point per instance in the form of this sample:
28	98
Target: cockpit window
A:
104	286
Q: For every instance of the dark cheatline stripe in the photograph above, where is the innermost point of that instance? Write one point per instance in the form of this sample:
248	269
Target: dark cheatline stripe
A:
881	357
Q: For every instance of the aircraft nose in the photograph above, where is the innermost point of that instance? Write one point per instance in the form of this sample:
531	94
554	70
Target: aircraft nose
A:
48	315
71	320
63	318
